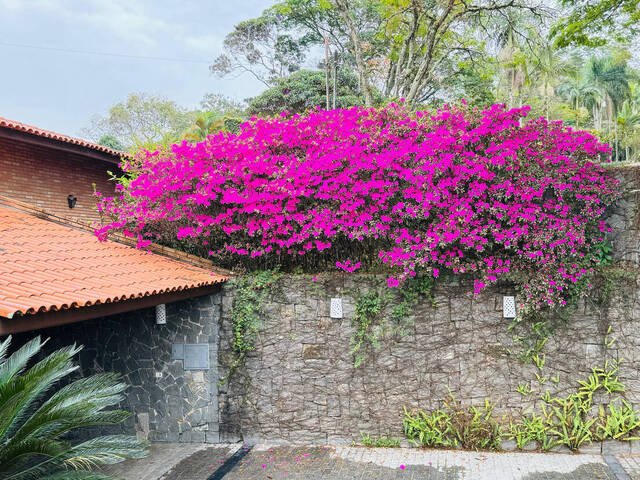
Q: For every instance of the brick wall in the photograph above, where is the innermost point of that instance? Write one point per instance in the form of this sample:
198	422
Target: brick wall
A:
43	177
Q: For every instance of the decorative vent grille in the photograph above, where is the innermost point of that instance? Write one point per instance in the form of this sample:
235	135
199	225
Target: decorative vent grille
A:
161	314
335	310
508	307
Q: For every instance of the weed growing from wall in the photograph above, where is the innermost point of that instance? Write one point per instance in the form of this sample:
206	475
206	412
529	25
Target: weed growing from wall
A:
366	332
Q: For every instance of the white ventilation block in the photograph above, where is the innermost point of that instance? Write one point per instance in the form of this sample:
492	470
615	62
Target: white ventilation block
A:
509	307
335	310
161	314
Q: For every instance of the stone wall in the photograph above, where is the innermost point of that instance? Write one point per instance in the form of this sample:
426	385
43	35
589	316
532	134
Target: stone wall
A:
299	385
168	403
624	218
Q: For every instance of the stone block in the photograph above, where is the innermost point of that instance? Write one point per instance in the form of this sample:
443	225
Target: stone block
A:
591	448
615	447
508	445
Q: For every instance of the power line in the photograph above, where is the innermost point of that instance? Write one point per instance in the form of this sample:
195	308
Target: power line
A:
104	54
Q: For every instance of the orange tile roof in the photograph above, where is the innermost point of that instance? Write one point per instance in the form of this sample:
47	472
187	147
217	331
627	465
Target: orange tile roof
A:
40	132
48	266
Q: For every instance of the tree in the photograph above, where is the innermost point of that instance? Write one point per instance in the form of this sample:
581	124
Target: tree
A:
629	123
593	23
111	142
261	48
35	419
222	105
358	49
402	47
142	120
305	89
204	126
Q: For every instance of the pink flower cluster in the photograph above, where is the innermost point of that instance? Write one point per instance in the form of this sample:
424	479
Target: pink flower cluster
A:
463	191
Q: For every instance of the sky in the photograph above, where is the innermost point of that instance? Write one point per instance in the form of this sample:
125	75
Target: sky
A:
59	90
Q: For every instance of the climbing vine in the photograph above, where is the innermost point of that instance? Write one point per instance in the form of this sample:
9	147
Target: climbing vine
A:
369	323
250	292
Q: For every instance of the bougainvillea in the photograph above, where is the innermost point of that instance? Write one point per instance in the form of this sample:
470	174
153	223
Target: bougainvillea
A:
461	191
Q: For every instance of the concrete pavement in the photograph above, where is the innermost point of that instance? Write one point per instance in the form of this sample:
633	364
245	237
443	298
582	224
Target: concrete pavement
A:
264	462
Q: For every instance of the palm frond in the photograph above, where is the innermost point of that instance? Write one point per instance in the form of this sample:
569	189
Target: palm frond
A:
16	363
4	347
32	428
17	396
77	475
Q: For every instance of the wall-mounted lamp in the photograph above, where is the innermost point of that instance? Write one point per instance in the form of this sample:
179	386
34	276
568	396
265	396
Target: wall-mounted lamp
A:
161	314
72	200
508	307
335	308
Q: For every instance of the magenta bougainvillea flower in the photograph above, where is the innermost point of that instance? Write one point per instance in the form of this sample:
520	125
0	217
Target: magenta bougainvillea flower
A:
463	191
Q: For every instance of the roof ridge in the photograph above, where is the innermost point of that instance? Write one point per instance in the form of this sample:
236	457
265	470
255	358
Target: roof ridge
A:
61	137
116	237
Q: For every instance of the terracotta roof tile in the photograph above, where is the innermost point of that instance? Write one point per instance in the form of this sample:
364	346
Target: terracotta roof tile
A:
49	266
40	132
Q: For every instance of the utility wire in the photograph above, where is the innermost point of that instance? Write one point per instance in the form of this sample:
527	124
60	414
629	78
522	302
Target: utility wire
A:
104	54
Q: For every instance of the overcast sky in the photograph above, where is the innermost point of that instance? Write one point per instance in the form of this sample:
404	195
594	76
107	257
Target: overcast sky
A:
55	89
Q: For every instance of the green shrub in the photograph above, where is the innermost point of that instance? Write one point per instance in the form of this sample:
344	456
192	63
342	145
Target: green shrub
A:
35	418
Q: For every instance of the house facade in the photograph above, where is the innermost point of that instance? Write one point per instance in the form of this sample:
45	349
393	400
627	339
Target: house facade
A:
151	316
43	168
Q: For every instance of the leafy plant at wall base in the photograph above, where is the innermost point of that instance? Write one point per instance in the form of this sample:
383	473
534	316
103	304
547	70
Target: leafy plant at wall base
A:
472	428
35	418
620	421
567	421
384	441
531	428
569	426
250	292
429	429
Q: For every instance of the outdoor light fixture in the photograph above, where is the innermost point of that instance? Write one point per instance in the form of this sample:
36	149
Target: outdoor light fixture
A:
335	308
508	307
161	314
71	200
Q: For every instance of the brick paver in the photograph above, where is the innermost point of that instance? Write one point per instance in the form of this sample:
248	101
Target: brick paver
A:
631	464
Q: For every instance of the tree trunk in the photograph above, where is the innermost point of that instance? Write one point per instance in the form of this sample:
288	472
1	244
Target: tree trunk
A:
326	70
343	7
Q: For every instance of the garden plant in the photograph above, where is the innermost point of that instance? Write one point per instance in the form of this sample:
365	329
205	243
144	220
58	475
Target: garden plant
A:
36	417
463	191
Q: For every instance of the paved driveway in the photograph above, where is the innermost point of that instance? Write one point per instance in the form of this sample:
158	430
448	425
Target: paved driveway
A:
236	462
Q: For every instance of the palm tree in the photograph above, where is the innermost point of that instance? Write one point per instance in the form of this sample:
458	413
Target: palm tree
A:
513	61
548	67
611	77
204	126
35	420
629	120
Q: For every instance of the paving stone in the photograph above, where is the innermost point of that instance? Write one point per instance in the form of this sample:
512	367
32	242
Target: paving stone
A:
264	462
